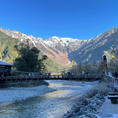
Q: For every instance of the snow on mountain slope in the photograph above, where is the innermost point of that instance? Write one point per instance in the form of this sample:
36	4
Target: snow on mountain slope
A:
68	44
65	50
55	40
54	48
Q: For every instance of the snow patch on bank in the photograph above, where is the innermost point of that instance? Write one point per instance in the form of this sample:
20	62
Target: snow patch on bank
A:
12	94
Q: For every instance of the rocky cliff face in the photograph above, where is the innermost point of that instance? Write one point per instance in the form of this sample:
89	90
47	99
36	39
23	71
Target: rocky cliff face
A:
65	50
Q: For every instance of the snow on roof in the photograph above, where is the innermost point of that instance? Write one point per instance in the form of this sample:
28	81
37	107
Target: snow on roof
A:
5	64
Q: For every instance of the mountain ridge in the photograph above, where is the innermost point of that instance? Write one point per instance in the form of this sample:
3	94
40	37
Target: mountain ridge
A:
66	50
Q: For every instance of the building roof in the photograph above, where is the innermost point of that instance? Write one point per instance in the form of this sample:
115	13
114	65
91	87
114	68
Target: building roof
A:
5	64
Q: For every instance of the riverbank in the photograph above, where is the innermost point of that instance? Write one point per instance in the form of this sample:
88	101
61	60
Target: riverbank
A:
88	105
30	83
13	94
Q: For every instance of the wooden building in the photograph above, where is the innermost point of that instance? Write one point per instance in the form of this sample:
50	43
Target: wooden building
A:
5	69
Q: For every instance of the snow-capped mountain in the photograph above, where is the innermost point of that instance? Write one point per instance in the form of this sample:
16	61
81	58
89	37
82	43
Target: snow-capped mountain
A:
65	50
68	44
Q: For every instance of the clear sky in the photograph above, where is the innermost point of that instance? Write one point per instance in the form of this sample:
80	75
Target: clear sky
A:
82	19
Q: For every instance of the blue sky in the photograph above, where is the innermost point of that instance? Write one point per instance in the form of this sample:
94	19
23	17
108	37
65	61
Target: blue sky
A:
82	19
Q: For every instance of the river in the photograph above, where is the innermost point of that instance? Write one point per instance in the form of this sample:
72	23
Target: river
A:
42	101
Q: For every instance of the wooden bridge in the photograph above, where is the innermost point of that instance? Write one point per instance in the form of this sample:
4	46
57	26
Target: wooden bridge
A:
89	77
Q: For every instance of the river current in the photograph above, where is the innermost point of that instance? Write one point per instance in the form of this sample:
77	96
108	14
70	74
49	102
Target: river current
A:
42	101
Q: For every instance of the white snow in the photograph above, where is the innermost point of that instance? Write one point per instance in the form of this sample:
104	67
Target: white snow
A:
41	41
12	94
108	110
64	41
33	41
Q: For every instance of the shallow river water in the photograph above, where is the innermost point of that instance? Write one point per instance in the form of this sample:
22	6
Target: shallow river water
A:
42	102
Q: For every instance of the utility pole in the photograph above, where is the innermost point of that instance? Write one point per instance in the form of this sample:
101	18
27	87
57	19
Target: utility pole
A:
105	65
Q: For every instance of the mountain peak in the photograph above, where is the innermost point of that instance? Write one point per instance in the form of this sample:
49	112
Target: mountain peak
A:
55	37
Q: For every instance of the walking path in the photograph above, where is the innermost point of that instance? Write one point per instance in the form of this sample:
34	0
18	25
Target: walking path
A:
108	110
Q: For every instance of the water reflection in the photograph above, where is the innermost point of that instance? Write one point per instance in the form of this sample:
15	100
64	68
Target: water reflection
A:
50	105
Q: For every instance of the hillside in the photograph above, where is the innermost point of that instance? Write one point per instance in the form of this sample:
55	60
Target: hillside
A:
8	52
94	49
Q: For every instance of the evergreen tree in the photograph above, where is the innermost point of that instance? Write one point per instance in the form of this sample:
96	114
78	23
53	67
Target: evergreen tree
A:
28	60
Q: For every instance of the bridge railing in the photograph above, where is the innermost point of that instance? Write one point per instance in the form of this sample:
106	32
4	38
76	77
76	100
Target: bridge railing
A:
28	76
